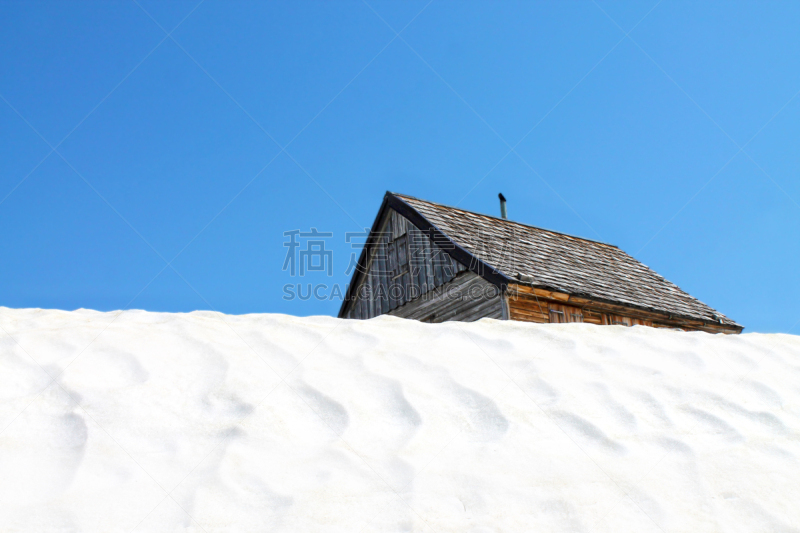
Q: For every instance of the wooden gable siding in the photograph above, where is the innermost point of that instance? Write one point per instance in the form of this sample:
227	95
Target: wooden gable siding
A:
404	264
530	304
466	298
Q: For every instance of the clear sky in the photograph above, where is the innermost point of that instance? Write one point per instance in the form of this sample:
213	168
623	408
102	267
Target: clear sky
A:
152	155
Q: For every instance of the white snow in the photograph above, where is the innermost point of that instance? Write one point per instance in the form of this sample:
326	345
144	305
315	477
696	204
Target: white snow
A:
206	422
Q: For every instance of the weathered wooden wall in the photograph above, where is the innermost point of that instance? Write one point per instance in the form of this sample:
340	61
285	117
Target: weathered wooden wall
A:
529	304
466	298
404	265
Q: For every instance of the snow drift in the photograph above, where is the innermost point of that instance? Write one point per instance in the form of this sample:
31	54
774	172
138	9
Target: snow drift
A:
141	421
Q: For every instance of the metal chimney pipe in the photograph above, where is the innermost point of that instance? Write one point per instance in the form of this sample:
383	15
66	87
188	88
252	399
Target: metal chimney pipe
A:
503	212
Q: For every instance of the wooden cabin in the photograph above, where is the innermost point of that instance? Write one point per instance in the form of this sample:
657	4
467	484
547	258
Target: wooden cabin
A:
434	263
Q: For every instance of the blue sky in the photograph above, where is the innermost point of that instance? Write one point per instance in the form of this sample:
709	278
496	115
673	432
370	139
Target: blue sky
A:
189	137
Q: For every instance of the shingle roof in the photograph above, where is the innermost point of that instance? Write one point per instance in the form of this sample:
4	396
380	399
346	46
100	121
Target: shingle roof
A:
552	260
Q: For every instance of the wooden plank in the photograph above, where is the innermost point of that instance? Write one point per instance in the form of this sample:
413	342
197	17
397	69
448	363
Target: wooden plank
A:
378	276
504	307
524	317
592	317
537	317
523	289
472	308
403	225
544	311
490	308
413	268
533	305
384	280
374	304
449	268
380	264
474	311
451	308
392	272
526	298
437	300
444	260
444	303
559	296
565	313
453	266
418	259
387	274
542	306
393	225
530	312
403	266
423	262
430	273
398	225
370	301
437	265
363	296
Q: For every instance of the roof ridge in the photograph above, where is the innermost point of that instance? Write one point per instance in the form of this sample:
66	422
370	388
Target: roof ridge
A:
504	220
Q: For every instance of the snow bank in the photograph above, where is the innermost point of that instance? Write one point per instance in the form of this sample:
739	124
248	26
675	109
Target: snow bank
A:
207	422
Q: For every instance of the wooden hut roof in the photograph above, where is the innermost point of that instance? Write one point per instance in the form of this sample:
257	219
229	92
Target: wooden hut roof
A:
554	261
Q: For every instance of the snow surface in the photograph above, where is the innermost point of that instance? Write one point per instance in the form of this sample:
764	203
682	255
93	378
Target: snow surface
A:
141	421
